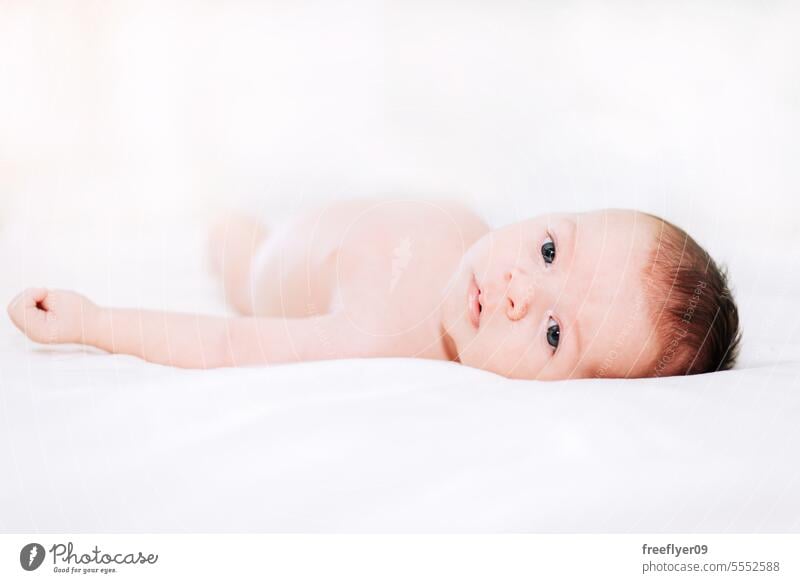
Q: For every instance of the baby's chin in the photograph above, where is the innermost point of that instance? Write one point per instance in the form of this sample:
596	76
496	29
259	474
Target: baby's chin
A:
477	358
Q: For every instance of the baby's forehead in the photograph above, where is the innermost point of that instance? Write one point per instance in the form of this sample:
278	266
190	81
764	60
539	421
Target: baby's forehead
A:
608	278
591	218
553	217
612	234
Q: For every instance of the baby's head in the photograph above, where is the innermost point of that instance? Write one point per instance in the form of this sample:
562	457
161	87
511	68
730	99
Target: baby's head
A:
610	293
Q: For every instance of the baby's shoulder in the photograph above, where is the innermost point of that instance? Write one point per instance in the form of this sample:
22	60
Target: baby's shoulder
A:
444	220
462	214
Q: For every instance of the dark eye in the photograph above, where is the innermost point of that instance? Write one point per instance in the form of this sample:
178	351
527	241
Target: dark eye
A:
553	333
548	250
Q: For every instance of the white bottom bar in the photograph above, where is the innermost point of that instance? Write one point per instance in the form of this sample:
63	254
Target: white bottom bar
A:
401	558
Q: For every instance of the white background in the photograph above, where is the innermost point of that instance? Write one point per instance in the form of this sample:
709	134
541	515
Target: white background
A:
129	108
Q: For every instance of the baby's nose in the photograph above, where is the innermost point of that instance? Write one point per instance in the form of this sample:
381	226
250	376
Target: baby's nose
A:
516	310
518	295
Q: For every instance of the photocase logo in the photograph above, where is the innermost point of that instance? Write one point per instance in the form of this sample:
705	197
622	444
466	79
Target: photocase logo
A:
31	556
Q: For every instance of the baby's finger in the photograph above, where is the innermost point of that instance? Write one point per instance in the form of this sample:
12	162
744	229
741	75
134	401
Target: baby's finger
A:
35	325
27	298
23	307
17	303
34	295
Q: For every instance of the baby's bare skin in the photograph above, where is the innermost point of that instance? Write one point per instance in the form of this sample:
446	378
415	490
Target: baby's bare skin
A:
342	281
381	265
550	297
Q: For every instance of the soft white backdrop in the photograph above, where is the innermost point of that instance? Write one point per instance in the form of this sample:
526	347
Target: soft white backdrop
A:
124	126
689	109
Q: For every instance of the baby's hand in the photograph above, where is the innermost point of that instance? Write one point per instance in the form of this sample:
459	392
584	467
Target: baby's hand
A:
53	316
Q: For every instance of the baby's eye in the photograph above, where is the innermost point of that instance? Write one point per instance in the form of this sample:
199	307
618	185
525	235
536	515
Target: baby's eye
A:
548	250
553	333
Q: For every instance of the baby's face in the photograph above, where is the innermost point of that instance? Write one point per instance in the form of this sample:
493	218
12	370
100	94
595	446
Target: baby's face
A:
554	297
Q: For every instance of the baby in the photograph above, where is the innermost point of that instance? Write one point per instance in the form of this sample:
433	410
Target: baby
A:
609	293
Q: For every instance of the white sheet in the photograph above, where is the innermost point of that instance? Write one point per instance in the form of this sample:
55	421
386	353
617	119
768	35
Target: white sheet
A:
98	443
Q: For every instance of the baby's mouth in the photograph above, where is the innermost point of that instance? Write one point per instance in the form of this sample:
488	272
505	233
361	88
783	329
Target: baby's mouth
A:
474	306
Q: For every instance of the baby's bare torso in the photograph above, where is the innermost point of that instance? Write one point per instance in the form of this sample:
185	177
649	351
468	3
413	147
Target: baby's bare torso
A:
385	264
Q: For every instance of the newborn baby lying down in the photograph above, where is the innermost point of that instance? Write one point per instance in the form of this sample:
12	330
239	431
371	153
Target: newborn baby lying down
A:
609	293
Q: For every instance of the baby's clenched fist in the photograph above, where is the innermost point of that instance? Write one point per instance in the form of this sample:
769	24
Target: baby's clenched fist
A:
53	316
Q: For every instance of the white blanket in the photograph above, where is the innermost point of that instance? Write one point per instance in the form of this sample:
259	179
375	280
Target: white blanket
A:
98	443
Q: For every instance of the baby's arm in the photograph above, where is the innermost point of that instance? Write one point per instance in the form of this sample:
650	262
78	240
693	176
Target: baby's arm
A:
179	339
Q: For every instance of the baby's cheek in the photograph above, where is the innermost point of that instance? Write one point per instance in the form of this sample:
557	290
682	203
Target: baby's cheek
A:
468	261
483	249
507	356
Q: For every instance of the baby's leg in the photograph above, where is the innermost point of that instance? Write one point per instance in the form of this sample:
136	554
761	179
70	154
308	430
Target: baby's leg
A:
294	271
233	242
290	273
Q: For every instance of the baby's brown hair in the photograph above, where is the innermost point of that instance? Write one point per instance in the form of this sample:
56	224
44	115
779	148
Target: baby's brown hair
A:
694	313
